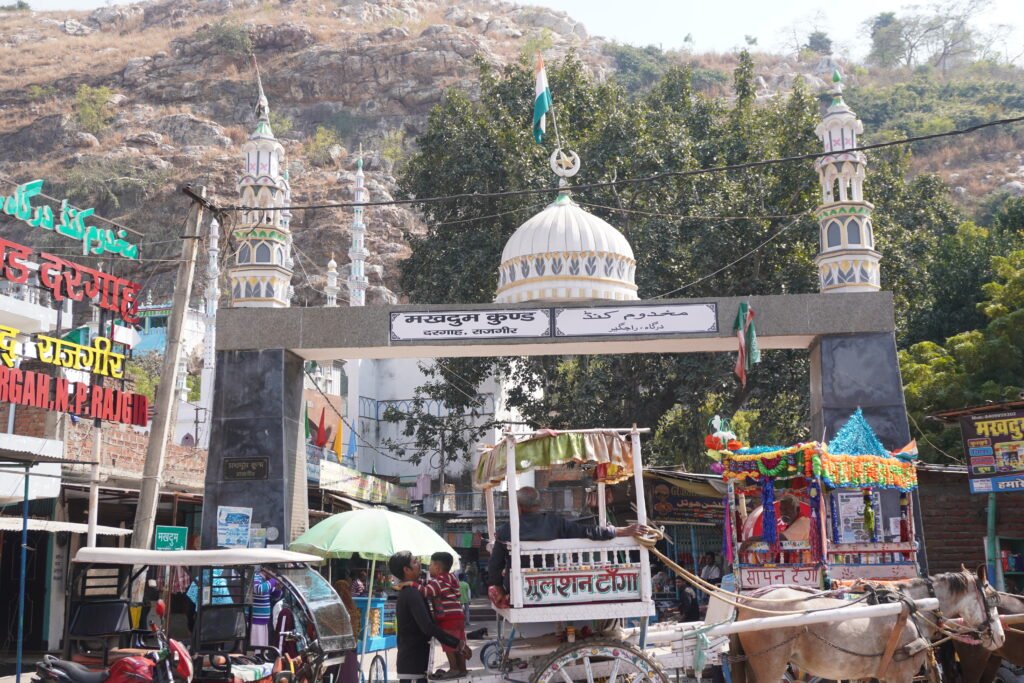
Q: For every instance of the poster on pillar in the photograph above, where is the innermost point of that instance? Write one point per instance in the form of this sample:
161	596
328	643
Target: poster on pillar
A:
233	526
994	444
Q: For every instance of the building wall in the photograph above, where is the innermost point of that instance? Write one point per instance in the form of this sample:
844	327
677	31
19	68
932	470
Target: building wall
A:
955	521
123	455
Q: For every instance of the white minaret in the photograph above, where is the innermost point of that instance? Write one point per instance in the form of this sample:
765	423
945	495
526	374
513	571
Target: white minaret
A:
211	299
357	254
357	285
262	273
332	288
847	260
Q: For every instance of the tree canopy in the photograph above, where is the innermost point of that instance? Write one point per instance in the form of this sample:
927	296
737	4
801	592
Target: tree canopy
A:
682	230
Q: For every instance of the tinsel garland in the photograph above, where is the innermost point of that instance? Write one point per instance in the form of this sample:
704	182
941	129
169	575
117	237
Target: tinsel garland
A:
834	514
814	537
769	525
727	530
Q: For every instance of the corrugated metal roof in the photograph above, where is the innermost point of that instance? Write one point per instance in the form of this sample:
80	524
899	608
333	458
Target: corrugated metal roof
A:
14	524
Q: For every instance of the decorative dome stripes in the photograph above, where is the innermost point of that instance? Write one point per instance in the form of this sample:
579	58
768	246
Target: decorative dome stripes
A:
565	253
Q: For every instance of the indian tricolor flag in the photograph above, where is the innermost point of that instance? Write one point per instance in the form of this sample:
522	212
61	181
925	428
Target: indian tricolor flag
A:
541	101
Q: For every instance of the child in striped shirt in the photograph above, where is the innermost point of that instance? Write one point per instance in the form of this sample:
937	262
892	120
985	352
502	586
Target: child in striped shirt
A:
442	591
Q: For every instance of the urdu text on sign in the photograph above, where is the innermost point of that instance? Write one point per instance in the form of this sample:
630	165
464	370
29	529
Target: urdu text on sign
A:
604	321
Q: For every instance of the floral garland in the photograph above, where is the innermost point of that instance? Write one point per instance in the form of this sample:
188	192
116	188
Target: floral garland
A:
813	460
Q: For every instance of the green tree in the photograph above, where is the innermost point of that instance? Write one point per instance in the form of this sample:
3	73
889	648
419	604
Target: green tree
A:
970	368
819	42
320	148
446	417
226	38
145	371
92	108
887	42
280	123
681	228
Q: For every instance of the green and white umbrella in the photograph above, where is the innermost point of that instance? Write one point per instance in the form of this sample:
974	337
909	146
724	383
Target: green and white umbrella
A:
375	534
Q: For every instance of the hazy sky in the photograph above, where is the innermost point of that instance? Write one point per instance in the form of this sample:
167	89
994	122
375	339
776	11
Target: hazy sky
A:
720	26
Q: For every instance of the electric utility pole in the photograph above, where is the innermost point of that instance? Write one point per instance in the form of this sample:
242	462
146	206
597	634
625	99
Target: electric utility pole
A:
149	494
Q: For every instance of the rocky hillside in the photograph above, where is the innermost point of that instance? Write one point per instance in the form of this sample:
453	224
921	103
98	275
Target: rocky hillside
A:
117	107
178	92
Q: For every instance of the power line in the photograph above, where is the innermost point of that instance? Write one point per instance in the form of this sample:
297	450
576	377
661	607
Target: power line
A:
733	263
676	216
643	179
345	422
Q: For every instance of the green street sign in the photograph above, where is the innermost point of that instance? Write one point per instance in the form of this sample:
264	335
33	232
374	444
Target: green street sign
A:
170	538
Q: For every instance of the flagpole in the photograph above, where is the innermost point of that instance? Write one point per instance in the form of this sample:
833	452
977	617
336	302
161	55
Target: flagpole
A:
554	123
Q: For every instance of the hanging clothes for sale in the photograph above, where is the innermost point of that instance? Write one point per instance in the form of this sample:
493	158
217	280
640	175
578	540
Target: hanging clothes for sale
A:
262	587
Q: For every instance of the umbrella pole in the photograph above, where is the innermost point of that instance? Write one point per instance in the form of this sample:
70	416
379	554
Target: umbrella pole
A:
366	617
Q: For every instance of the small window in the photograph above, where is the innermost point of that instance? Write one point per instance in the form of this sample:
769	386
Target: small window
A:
279	256
869	238
262	254
269	290
244	254
853	232
833	234
236	291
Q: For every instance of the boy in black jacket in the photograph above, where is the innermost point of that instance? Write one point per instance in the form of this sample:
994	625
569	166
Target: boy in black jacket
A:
415	625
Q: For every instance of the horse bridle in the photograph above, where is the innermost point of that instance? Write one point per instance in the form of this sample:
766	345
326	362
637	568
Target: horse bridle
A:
983	630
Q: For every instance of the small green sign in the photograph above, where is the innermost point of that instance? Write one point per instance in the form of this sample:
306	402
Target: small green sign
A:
170	538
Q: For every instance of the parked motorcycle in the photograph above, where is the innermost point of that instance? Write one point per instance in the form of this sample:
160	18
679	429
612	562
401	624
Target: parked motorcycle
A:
170	662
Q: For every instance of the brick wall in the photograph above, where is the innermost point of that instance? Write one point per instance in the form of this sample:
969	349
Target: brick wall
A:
28	421
956	522
123	454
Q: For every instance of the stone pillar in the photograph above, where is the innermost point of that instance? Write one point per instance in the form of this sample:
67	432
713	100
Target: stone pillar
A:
853	371
257	458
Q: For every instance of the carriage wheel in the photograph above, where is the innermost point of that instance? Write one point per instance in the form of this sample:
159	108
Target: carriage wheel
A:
612	661
378	670
490	655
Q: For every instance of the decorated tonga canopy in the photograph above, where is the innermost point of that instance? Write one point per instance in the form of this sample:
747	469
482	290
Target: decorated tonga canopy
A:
570	579
824	511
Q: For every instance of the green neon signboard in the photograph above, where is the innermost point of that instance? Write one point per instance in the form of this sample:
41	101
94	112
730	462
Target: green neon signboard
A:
69	222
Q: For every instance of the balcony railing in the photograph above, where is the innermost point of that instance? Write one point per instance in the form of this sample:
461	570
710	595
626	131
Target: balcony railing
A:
471	503
35	310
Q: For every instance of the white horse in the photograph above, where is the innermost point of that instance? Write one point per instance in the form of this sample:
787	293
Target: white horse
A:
853	649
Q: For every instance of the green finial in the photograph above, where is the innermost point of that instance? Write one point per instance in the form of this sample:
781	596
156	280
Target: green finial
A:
836	76
359	161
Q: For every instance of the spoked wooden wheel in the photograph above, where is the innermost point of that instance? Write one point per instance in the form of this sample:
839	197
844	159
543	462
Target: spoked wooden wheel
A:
598	661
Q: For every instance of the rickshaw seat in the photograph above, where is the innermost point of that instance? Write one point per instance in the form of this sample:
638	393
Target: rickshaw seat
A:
221	628
100	619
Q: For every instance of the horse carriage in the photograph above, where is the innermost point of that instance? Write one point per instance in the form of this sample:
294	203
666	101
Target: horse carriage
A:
556	586
818	515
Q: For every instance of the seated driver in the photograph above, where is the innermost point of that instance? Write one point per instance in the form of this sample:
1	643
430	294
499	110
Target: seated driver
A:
535	525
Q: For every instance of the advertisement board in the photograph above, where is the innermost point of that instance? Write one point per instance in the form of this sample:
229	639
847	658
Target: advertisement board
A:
994	445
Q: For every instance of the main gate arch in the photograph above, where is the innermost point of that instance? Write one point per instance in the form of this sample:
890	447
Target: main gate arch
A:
257	406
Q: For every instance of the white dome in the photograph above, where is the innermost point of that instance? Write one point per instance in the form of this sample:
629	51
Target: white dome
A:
566	254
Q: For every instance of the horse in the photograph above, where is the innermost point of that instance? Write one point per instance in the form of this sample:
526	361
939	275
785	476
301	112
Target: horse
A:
978	665
854	648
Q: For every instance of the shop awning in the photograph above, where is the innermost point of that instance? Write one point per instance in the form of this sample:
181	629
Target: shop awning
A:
14	524
702	487
351	502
